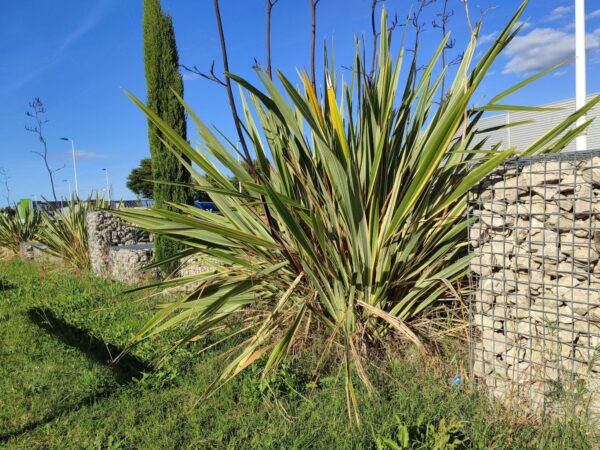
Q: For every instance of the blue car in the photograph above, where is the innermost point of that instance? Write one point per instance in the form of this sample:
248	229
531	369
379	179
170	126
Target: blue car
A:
206	206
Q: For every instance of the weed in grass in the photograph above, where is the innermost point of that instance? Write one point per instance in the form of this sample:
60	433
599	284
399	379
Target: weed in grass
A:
424	435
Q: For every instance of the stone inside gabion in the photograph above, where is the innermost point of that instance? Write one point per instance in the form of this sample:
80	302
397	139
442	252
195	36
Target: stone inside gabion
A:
106	230
116	251
536	278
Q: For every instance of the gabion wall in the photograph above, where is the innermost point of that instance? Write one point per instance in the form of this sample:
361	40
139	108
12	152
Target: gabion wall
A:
126	263
105	230
34	251
535	280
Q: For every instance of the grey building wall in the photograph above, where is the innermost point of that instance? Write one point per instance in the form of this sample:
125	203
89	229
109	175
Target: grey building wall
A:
521	136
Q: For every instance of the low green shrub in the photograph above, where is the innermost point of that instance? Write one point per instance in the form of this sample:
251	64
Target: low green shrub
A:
425	435
64	233
22	225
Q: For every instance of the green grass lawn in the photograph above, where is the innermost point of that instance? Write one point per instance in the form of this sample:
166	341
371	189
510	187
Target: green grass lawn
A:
58	389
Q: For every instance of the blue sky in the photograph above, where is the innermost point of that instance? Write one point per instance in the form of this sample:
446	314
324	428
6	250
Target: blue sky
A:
77	56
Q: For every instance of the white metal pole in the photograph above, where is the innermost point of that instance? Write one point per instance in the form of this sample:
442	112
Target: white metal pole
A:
75	169
69	185
580	67
107	185
508	129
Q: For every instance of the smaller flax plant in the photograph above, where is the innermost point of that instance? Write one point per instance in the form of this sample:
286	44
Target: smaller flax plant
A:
64	233
22	225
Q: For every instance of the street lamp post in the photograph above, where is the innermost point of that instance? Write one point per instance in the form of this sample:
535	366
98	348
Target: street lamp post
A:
107	184
580	67
74	164
69	185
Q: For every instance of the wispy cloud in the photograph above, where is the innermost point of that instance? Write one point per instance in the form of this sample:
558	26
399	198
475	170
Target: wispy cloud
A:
526	24
91	19
484	39
50	59
189	76
543	47
558	13
83	154
593	15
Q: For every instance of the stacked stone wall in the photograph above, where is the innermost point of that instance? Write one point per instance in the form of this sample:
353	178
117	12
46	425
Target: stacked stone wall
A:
127	263
106	230
535	309
34	251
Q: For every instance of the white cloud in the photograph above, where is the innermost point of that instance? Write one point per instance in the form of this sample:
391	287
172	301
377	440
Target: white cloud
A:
593	15
484	39
189	76
558	13
543	47
525	24
91	19
83	154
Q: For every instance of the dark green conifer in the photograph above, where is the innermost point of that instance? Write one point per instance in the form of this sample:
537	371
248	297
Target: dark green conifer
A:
161	62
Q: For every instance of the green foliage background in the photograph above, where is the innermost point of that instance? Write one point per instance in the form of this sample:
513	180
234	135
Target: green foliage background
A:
139	180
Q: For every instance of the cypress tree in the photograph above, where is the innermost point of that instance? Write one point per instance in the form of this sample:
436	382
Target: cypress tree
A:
161	62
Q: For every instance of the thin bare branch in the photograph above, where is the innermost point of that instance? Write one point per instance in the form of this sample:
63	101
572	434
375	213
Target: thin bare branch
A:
236	118
270	4
313	36
238	126
415	20
470	25
211	76
393	24
375	36
36	112
442	24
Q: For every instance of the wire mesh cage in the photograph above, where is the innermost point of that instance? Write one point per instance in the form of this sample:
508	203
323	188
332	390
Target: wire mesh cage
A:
535	279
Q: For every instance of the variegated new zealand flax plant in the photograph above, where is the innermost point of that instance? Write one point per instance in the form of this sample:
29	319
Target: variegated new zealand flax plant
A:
64	232
20	226
367	190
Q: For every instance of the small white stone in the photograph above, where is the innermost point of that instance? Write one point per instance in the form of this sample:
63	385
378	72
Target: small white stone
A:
491	219
591	171
509	189
560	222
499	282
496	206
580	249
564	202
541	173
486	195
477	235
524	261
